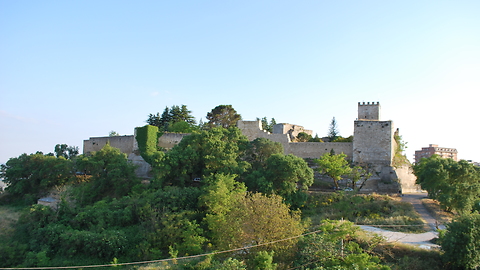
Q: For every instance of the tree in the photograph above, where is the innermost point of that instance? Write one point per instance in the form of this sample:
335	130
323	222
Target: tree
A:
334	166
303	137
220	193
273	122
259	150
315	139
333	132
112	175
68	152
456	185
342	139
288	173
256	219
399	158
267	126
335	247
165	119
217	150
113	133
359	175
182	127
461	242
223	116
32	176
156	120
181	114
264	261
170	117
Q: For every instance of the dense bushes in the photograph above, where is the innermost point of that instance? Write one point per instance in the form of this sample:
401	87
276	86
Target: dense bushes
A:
105	215
461	242
363	209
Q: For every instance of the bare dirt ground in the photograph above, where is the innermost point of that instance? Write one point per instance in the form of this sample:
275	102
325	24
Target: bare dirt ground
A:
423	239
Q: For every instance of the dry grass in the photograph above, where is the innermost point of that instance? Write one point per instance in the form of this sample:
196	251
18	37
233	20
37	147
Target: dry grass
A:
373	209
403	256
8	217
433	207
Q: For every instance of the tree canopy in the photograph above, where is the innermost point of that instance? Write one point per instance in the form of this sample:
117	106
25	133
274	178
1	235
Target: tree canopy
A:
460	242
223	116
266	125
32	176
456	185
255	219
174	119
111	174
213	151
333	132
334	166
68	152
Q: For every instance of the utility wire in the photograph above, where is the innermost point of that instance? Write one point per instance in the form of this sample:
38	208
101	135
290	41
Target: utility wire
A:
162	260
186	257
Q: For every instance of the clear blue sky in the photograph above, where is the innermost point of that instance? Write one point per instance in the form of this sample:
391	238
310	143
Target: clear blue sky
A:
70	70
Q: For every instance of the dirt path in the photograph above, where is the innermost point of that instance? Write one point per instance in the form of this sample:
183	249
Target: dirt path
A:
416	200
423	239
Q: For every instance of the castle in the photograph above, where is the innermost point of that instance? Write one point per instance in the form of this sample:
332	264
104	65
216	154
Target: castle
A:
373	145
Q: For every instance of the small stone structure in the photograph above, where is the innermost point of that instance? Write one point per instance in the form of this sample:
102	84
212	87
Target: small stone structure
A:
373	146
49	201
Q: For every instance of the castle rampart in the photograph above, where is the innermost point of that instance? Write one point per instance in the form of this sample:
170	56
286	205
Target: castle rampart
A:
169	140
373	142
373	145
126	143
253	130
317	149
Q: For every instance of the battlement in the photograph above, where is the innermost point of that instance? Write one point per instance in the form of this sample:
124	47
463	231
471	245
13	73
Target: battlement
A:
368	104
369	111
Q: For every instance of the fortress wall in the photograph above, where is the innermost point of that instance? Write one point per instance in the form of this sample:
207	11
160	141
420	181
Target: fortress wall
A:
372	142
280	128
317	149
169	140
407	179
253	130
124	143
292	130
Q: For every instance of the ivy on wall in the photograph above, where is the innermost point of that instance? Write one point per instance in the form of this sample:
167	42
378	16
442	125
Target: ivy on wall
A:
147	139
399	159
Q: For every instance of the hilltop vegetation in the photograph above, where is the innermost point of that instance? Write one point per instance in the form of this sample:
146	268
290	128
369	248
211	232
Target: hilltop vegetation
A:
244	203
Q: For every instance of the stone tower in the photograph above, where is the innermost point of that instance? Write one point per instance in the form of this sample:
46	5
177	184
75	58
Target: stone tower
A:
367	111
373	140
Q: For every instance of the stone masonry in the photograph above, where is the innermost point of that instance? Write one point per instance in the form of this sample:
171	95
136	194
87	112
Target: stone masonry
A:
373	146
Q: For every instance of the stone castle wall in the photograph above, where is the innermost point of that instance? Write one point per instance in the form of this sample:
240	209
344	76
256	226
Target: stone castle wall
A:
373	142
317	149
291	130
169	140
373	145
126	143
253	130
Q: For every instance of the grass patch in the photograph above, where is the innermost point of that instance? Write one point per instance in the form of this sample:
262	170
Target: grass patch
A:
402	256
434	209
8	217
363	210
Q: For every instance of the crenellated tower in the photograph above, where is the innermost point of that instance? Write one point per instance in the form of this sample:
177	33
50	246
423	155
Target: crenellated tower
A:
373	140
369	111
